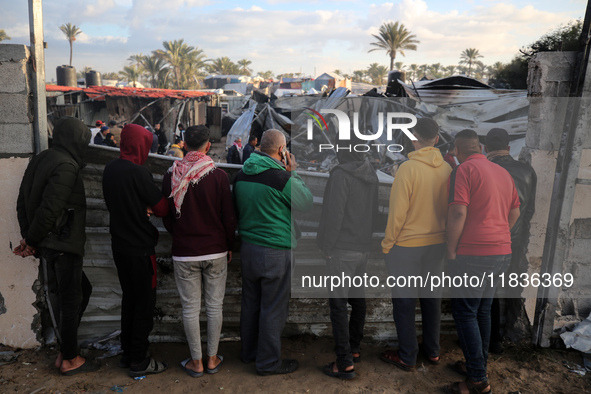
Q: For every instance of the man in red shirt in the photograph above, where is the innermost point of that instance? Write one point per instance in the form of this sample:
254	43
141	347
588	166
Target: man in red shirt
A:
483	206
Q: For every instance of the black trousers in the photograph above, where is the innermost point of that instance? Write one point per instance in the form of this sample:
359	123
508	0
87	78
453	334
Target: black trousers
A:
69	291
347	332
137	276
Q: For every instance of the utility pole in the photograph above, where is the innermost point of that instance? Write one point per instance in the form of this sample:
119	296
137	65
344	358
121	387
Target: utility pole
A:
38	85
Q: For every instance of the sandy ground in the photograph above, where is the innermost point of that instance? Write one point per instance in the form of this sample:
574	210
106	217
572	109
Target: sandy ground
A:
521	369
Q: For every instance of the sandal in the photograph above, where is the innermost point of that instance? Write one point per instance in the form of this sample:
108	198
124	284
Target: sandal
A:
357	359
432	360
391	357
190	372
328	370
88	366
216	369
473	388
152	368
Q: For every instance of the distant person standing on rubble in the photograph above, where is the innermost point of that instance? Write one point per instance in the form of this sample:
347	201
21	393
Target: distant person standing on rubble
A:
162	140
115	130
249	148
235	152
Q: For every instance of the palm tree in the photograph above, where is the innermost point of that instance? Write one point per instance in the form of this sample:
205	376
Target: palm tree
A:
176	53
337	72
423	70
451	70
244	69
70	31
469	57
435	69
153	65
131	74
266	74
82	74
359	75
414	69
399	66
377	73
223	66
393	38
3	35
111	76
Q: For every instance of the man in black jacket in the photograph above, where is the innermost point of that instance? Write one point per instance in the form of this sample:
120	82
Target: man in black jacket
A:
51	209
524	176
131	197
344	235
249	148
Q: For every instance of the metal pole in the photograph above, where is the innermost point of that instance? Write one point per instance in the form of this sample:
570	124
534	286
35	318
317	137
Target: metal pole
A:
38	85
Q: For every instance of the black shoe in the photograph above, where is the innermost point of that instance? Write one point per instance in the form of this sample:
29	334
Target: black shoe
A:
287	366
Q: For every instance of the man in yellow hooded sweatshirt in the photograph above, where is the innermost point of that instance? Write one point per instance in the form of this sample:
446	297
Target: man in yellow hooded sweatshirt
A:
415	244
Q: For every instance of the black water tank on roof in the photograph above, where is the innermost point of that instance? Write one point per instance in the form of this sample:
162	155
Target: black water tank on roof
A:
394	88
66	76
93	78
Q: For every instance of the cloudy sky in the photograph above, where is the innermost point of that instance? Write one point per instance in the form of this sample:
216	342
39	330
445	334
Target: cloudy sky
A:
287	36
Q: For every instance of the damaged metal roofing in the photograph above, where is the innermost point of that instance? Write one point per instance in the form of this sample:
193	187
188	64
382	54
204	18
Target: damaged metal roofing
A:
100	92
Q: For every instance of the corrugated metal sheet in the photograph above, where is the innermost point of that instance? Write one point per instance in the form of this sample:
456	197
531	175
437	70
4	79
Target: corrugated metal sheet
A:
307	316
100	92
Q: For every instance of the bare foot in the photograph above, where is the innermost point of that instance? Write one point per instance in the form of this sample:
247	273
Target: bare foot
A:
58	360
213	362
195	365
335	368
68	365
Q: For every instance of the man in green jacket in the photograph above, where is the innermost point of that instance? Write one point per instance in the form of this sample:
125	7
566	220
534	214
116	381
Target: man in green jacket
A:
51	209
265	191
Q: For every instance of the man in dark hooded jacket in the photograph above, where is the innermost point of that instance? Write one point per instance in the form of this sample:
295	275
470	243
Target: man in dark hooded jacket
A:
346	225
131	197
51	209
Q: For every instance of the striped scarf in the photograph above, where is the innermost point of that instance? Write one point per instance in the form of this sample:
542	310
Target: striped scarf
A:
190	170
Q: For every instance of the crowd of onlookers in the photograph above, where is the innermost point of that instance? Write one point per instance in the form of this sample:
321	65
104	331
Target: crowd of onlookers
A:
473	220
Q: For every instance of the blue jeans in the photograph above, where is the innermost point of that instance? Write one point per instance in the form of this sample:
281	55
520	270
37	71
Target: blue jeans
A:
266	283
472	312
416	261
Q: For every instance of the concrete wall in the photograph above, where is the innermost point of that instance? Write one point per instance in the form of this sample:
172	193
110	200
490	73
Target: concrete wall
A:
549	79
19	320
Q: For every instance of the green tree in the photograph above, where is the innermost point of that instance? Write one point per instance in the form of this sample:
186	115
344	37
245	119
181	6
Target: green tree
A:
3	35
70	31
359	75
377	73
562	38
244	69
223	66
436	70
450	70
266	74
154	66
178	55
394	38
470	56
131	74
399	66
82	73
338	72
414	70
110	76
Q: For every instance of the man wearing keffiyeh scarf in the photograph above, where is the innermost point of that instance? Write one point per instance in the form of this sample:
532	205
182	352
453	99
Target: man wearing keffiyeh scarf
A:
188	171
202	228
